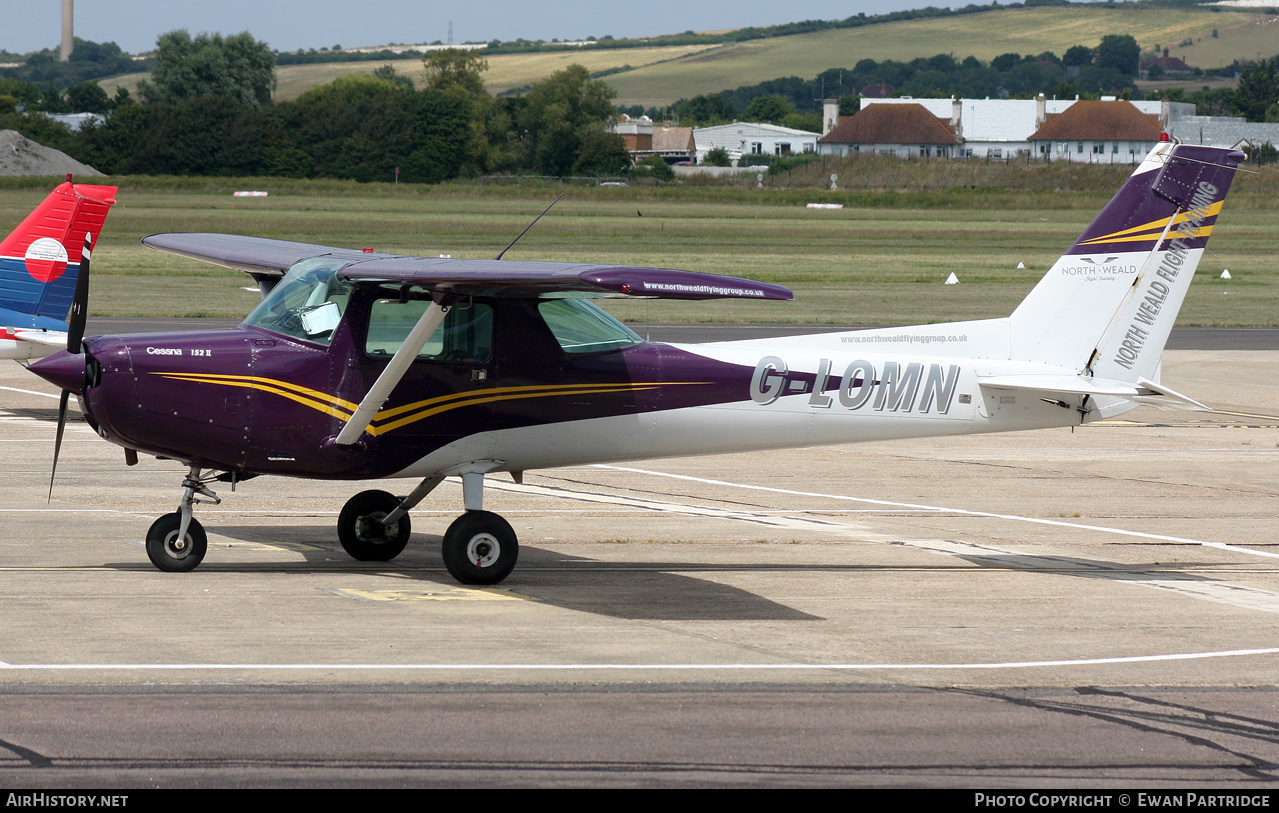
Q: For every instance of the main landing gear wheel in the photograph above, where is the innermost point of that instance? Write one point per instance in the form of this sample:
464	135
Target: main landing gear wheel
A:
480	548
170	553
361	532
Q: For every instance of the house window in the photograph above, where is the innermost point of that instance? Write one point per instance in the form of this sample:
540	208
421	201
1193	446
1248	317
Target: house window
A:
757	148
781	148
1081	148
999	153
1099	149
1115	148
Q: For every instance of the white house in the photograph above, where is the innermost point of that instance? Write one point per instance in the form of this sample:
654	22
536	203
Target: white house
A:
746	139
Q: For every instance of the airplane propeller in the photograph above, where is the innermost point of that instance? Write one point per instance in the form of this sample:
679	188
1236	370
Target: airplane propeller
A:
75	338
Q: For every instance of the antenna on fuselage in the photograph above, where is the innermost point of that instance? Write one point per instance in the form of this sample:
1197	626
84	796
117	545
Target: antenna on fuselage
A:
529	226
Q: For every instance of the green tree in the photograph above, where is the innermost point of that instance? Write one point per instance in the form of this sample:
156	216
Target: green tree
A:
717	157
772	108
455	70
458	72
708	109
565	115
1258	89
1005	62
1077	56
88	97
237	67
362	128
1118	52
654	167
390	74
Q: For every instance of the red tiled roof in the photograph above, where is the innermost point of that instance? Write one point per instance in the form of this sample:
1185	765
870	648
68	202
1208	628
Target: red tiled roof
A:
1100	121
891	124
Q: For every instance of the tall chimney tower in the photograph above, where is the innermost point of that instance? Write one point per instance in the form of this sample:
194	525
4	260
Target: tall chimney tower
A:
68	39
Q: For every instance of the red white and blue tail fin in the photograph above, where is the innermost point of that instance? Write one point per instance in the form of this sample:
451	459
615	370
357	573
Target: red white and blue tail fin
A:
40	263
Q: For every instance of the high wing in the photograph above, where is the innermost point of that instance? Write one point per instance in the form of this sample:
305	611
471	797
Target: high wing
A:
266	259
448	279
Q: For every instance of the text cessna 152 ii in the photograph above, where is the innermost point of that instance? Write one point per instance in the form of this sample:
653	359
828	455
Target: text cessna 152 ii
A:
362	365
40	265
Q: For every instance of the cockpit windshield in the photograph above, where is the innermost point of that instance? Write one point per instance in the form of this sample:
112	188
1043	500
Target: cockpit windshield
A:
307	304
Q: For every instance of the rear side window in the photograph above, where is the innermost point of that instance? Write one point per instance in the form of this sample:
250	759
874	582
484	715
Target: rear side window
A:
581	327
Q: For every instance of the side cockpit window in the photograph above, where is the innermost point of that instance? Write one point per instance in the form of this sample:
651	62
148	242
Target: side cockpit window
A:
465	336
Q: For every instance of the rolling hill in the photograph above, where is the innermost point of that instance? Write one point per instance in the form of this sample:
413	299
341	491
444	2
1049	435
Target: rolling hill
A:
657	76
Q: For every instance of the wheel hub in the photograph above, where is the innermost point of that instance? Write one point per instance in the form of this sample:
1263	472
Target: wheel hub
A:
177	545
372	529
483	550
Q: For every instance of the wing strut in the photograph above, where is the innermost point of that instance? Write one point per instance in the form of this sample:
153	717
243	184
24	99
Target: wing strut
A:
431	319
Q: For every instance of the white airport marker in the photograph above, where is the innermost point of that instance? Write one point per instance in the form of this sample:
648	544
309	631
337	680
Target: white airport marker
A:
952	279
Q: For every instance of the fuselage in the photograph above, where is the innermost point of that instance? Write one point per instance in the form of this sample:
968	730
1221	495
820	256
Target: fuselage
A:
253	400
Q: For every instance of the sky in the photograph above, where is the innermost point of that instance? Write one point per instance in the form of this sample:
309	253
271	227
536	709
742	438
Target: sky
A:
288	25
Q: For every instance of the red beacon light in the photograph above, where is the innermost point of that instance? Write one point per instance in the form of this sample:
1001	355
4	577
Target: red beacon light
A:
1164	137
367	250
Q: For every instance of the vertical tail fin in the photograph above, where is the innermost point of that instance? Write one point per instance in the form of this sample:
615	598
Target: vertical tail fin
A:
40	259
1107	305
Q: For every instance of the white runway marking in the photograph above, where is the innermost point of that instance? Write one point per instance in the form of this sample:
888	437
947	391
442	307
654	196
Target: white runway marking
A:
964	511
1193	586
31	392
585	667
769	518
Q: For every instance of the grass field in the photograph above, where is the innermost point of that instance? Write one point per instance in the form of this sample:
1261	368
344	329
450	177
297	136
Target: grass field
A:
505	72
664	75
985	35
868	263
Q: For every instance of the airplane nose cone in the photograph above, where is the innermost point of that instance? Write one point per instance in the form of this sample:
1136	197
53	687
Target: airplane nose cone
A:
62	369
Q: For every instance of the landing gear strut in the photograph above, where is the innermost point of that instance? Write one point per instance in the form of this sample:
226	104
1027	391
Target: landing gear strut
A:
176	542
479	547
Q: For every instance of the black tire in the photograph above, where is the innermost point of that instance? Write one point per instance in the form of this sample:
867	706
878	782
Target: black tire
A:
480	548
362	533
167	553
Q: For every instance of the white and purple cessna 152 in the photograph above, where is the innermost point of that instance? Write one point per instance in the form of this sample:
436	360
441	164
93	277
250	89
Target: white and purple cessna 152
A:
360	365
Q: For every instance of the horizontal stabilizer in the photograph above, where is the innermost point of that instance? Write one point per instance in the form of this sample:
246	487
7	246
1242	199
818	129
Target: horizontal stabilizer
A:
1143	391
51	338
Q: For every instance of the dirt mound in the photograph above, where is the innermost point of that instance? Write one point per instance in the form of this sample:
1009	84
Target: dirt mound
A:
20	155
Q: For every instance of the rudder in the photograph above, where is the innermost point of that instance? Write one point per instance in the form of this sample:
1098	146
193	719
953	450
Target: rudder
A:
1107	305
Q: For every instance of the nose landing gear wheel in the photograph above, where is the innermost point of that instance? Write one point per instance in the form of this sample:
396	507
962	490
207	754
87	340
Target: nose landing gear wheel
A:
169	553
480	548
361	532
